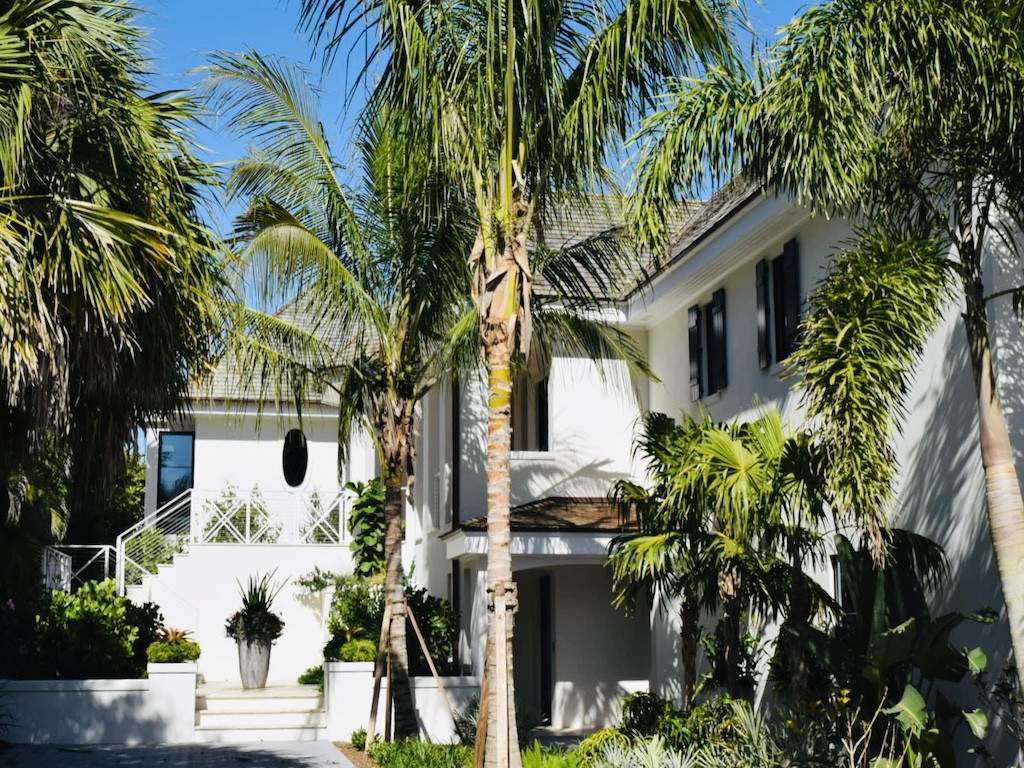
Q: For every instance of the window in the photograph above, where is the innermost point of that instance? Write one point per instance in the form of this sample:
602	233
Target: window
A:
778	304
707	346
294	458
174	465
530	414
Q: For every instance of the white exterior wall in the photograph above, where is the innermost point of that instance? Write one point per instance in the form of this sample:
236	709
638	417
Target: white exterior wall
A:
941	488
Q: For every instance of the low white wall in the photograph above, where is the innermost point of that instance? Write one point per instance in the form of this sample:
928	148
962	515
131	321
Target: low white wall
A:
160	710
349	690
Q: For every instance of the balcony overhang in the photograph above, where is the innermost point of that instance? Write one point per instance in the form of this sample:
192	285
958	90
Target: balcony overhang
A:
580	529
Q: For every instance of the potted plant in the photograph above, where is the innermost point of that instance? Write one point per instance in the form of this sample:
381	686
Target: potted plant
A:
255	628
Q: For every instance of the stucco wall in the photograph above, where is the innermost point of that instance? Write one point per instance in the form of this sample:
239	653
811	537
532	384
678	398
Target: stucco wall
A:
200	590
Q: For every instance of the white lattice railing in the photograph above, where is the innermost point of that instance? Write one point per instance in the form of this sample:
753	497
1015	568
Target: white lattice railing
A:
55	568
89	562
229	516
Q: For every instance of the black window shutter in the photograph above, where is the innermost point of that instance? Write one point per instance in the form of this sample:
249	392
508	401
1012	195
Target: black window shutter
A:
718	377
764	350
542	415
791	288
696	354
779	308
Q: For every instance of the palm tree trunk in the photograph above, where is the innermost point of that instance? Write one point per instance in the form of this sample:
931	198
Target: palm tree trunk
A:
394	588
1002	487
689	641
502	748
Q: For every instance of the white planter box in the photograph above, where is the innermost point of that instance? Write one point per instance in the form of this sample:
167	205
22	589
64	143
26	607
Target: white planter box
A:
349	689
160	710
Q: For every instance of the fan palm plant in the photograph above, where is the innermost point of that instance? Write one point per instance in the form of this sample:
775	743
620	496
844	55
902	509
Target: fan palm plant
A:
906	115
730	521
374	275
108	278
525	103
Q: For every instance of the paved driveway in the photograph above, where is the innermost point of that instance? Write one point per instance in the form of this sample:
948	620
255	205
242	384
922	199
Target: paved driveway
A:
314	754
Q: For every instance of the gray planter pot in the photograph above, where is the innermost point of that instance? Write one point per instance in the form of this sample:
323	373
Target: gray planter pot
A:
253	663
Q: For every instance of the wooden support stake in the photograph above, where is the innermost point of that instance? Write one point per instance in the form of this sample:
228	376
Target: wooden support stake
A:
501	675
430	663
390	705
378	671
480	747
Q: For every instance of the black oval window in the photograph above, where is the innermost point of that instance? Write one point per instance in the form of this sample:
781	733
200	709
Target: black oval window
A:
294	457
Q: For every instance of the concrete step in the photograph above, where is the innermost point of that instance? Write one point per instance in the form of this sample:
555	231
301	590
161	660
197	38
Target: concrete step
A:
221	697
244	735
269	719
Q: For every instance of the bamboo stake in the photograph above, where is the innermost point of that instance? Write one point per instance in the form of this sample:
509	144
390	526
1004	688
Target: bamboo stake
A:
430	663
378	671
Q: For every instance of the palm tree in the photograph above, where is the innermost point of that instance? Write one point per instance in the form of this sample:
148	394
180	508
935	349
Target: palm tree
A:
525	103
905	115
375	276
108	278
730	522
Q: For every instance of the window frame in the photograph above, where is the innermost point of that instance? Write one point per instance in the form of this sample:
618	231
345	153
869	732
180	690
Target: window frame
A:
160	465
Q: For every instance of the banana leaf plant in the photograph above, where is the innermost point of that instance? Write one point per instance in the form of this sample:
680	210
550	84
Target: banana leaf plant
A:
893	656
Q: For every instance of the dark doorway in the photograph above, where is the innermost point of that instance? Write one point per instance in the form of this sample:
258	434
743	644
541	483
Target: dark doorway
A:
547	650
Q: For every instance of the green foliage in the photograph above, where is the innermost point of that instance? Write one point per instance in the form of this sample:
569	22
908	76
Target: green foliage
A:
729	522
536	756
357	611
645	715
163	652
313	676
358	650
594	746
366	524
417	754
358	739
110	281
255	622
150	548
93	633
861	341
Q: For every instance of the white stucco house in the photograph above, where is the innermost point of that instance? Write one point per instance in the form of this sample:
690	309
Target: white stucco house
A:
251	496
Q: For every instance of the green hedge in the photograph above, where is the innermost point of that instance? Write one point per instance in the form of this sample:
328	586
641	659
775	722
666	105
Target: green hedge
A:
162	652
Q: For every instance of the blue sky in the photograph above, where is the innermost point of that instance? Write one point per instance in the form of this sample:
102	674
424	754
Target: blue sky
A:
184	32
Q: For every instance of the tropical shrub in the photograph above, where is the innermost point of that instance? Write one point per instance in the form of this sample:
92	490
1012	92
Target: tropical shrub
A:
466	722
536	756
358	739
366	524
358	650
164	652
645	715
313	676
357	612
255	622
417	754
592	748
93	633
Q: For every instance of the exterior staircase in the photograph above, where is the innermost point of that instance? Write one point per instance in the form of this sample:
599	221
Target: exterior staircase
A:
226	713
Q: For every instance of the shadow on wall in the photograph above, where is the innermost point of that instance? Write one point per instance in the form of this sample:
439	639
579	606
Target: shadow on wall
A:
943	498
297	755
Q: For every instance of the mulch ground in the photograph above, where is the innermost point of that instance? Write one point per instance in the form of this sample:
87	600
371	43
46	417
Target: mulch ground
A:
356	757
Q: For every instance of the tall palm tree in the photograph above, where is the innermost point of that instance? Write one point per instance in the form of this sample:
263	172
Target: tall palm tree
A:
905	114
729	523
374	274
526	102
108	279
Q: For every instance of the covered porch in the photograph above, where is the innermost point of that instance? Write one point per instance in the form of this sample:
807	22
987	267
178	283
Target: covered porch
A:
576	656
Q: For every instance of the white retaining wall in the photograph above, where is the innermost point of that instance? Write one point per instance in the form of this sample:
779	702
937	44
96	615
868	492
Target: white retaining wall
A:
160	710
349	690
